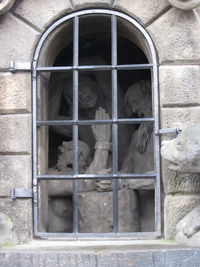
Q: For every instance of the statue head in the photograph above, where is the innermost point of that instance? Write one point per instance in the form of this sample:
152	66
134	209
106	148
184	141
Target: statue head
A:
65	160
87	91
138	99
183	152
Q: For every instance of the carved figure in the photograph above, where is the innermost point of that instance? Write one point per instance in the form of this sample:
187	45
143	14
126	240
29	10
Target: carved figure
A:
139	158
94	92
185	4
5	6
183	154
59	189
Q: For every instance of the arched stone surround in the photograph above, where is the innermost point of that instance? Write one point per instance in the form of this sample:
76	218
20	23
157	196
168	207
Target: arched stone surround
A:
176	36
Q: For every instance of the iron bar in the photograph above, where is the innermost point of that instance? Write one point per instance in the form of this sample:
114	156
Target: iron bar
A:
75	117
155	105
114	126
110	235
95	67
91	122
169	130
95	176
34	148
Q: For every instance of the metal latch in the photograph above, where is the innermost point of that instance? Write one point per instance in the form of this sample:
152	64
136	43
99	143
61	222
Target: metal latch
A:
173	131
21	193
17	66
169	130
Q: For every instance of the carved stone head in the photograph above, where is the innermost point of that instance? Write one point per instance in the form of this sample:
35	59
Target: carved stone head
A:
65	160
138	99
183	152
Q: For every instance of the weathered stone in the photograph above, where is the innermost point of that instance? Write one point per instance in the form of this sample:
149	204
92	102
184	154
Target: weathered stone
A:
198	10
20	213
183	151
188	229
15	172
176	208
91	3
95	212
179	38
6	230
47	12
179	117
5	6
145	12
179	85
17	40
40	255
147	210
60	215
185	5
177	182
15	134
15	93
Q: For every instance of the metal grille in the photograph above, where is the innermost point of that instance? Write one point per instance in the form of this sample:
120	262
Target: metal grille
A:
114	121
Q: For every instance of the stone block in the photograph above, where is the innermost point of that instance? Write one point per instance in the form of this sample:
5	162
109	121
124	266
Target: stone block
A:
176	207
15	93
6	230
15	134
91	3
101	256
95	212
17	41
19	213
47	12
179	85
179	117
144	12
176	182
179	38
15	172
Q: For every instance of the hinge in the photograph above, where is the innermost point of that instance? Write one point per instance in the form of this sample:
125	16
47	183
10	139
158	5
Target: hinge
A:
21	193
19	66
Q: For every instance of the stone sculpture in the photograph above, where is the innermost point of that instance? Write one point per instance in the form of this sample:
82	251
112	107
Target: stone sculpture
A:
58	189
185	4
139	158
138	101
183	152
183	155
5	6
98	193
94	92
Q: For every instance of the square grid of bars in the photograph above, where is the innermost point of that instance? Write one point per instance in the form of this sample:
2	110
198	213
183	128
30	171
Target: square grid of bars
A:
75	122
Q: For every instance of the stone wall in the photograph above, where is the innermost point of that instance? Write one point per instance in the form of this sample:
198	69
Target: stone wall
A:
176	35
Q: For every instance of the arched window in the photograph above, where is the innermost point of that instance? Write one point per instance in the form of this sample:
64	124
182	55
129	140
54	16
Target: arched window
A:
95	114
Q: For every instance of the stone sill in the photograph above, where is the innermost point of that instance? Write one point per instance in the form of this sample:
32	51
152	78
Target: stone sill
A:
138	253
106	245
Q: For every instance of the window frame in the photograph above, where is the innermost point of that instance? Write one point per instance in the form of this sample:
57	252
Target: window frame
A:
114	121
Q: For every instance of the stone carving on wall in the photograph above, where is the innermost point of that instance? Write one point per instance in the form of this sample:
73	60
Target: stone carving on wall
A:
183	155
5	6
96	195
185	4
183	152
94	91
